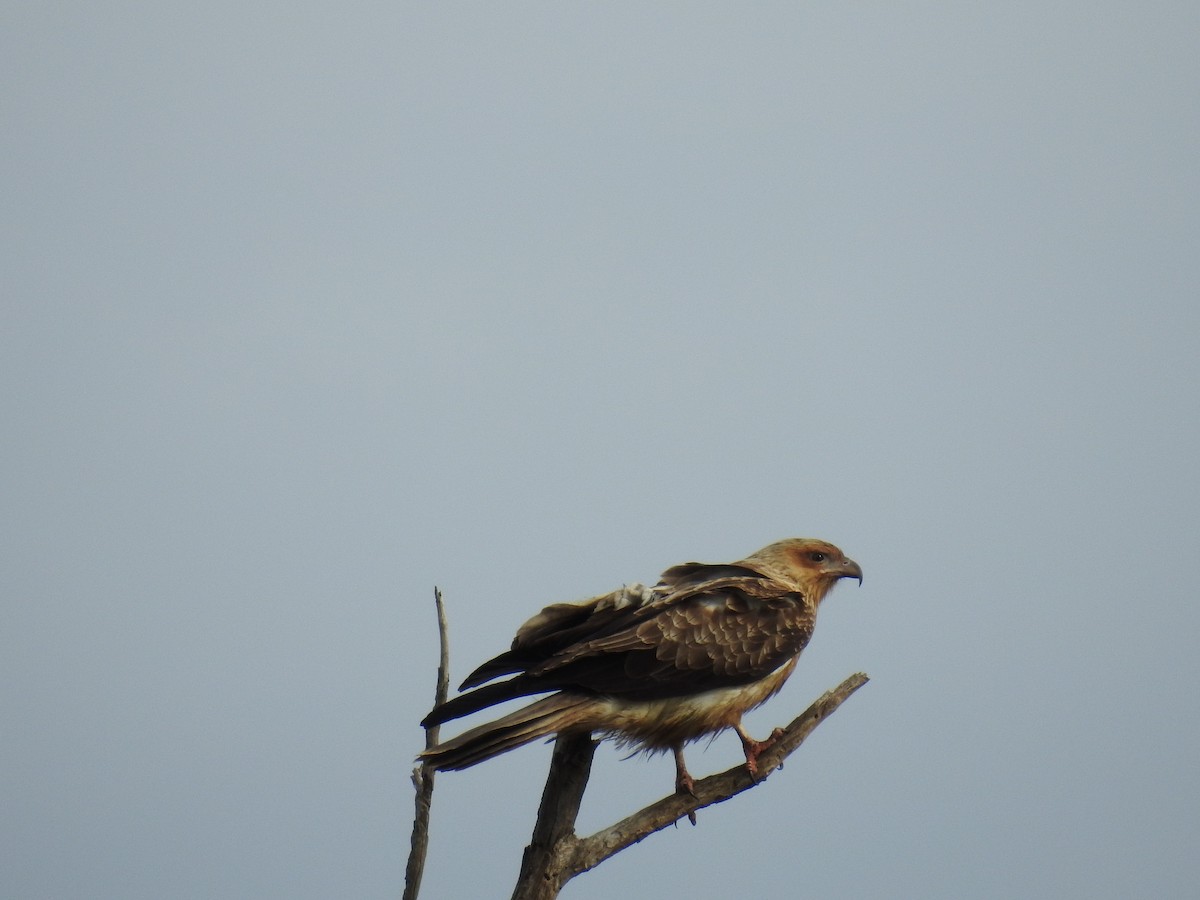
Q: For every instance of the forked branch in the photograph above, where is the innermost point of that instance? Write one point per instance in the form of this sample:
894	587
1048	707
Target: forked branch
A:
556	854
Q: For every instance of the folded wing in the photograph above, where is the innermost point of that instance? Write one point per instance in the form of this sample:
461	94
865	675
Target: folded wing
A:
702	627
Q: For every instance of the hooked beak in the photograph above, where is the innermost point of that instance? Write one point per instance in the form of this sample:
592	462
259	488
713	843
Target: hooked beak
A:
849	569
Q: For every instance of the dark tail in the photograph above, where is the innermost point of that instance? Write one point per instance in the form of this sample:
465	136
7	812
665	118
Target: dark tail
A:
547	716
480	698
505	664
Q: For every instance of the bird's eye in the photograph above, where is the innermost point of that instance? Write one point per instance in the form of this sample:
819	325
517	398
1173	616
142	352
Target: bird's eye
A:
817	556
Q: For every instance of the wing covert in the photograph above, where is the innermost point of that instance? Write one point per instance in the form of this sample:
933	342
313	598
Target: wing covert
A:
705	641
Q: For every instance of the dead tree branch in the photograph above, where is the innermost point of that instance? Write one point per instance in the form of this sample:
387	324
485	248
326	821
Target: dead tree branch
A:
542	866
556	854
422	776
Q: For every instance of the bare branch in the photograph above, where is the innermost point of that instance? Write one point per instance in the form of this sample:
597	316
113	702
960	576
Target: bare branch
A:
422	776
582	854
443	673
542	869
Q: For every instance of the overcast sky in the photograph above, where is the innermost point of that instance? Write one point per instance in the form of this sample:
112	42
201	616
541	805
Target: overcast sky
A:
309	307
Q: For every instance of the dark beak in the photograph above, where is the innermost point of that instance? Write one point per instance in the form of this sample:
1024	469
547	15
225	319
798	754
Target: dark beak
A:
850	569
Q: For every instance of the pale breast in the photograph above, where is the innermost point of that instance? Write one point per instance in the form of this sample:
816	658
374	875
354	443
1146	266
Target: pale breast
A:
661	724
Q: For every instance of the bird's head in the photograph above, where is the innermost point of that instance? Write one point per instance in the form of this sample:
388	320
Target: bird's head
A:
813	566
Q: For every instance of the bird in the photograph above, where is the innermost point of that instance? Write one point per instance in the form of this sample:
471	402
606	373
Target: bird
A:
653	668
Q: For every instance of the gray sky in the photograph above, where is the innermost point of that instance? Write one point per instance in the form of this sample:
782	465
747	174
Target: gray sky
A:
309	307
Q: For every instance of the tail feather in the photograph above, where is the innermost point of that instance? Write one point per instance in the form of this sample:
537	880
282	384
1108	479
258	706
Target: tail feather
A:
545	717
480	698
505	664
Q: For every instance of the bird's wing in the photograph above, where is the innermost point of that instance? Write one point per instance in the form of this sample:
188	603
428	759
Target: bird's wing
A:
560	625
694	574
726	632
549	645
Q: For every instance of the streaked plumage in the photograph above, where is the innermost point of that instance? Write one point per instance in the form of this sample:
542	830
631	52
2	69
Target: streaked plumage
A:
654	667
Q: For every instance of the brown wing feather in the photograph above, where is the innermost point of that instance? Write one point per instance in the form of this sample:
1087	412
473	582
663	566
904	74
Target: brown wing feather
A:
703	641
702	627
560	625
694	574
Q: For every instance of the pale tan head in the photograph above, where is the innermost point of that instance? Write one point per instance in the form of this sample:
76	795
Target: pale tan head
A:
812	566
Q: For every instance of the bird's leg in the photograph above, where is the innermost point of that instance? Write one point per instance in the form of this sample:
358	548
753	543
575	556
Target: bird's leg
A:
684	783
753	748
